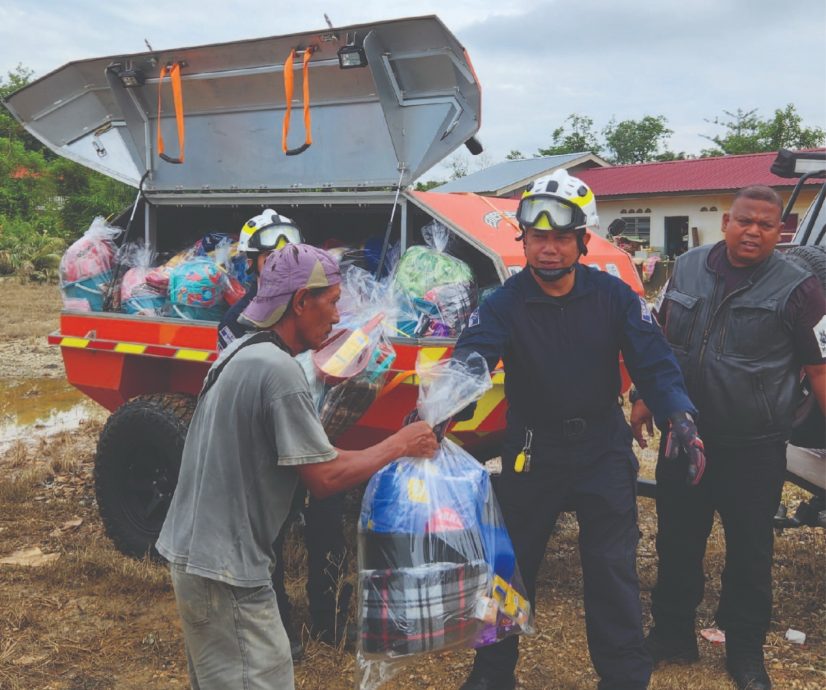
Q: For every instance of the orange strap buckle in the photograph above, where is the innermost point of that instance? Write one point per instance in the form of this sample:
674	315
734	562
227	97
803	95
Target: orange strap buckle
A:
174	73
288	97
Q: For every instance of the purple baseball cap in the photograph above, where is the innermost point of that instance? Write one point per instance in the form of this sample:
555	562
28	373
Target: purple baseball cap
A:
287	270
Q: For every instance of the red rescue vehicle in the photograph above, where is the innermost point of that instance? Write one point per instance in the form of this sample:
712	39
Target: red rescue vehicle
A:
385	102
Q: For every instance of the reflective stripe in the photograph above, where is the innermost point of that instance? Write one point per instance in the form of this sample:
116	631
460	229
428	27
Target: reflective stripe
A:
135	348
69	341
130	348
193	355
431	354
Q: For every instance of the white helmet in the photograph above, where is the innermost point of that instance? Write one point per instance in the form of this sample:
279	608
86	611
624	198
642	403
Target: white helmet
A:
268	231
558	202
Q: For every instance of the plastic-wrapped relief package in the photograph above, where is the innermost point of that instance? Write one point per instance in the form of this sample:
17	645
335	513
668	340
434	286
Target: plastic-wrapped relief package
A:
137	296
196	290
437	291
436	565
86	267
353	363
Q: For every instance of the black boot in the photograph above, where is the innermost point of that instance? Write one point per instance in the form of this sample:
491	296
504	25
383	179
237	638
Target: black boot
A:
478	680
671	648
748	670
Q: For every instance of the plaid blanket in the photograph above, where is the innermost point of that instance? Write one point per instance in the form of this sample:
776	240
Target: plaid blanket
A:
345	404
421	609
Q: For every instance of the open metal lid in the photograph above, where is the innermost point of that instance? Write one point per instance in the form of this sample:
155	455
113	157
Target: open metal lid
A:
414	102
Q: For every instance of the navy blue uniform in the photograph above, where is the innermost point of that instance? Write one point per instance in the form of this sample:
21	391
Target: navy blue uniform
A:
229	329
562	383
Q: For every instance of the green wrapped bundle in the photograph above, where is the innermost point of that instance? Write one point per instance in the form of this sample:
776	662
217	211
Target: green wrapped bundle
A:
421	268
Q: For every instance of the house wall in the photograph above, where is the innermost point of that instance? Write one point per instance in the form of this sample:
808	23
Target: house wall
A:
708	223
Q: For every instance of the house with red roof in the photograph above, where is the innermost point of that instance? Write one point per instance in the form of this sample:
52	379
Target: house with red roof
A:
676	205
664	207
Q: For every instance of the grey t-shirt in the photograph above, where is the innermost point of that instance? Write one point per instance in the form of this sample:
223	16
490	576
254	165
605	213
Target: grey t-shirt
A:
238	475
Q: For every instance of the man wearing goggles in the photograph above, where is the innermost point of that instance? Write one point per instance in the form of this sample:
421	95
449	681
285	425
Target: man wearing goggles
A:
559	327
554	216
260	236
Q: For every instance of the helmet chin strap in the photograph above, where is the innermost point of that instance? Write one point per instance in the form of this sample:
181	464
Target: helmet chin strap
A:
551	275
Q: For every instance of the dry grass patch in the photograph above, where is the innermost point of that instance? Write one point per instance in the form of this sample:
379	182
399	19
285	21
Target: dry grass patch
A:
29	309
94	619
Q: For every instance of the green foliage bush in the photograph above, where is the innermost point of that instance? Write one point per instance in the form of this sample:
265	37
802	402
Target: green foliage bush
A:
46	202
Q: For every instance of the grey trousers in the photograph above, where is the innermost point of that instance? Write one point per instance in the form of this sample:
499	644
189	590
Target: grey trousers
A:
234	636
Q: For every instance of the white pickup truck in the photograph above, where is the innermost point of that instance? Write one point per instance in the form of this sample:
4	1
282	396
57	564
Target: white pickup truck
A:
805	454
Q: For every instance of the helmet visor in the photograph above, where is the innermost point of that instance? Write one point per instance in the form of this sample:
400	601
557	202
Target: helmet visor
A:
558	214
275	237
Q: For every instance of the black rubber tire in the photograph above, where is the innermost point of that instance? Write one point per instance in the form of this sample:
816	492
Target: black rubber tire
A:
808	428
136	468
812	259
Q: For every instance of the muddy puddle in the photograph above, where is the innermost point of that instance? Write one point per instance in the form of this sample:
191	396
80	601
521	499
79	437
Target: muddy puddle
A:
35	408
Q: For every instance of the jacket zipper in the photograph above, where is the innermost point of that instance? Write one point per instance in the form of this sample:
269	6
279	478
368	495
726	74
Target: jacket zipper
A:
710	322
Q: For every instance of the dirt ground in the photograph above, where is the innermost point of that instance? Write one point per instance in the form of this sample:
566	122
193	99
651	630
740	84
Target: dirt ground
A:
91	619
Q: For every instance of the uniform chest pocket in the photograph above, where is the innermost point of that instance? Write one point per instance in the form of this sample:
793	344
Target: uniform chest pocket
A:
681	317
750	329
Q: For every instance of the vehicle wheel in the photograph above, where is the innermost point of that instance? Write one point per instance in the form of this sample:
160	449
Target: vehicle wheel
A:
808	426
136	468
810	258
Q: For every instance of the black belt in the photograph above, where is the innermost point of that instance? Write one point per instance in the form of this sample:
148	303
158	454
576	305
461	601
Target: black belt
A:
573	428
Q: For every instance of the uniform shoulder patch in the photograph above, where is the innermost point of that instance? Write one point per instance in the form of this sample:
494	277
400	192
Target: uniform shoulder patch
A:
473	319
820	335
226	335
645	312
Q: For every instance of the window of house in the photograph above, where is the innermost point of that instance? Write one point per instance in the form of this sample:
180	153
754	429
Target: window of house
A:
638	227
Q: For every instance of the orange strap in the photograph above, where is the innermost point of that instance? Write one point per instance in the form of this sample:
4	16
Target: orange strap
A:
395	382
510	221
288	97
174	72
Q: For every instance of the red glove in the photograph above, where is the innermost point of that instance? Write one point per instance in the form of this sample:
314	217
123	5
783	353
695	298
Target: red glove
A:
682	437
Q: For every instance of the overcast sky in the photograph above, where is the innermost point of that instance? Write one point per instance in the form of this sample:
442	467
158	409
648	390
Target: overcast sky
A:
537	60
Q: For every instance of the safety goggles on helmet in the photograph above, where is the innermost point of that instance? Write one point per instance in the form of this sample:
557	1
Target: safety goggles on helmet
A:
274	237
548	212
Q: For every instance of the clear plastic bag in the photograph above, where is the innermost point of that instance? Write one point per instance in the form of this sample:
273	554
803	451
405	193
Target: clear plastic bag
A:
437	236
344	404
136	295
362	354
437	569
86	267
234	264
158	277
436	291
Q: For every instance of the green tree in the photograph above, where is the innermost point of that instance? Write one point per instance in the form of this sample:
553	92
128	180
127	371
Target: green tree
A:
671	156
746	132
575	135
45	200
514	155
427	186
9	127
636	141
82	194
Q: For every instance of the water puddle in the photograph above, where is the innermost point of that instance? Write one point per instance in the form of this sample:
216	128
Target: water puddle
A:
34	408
